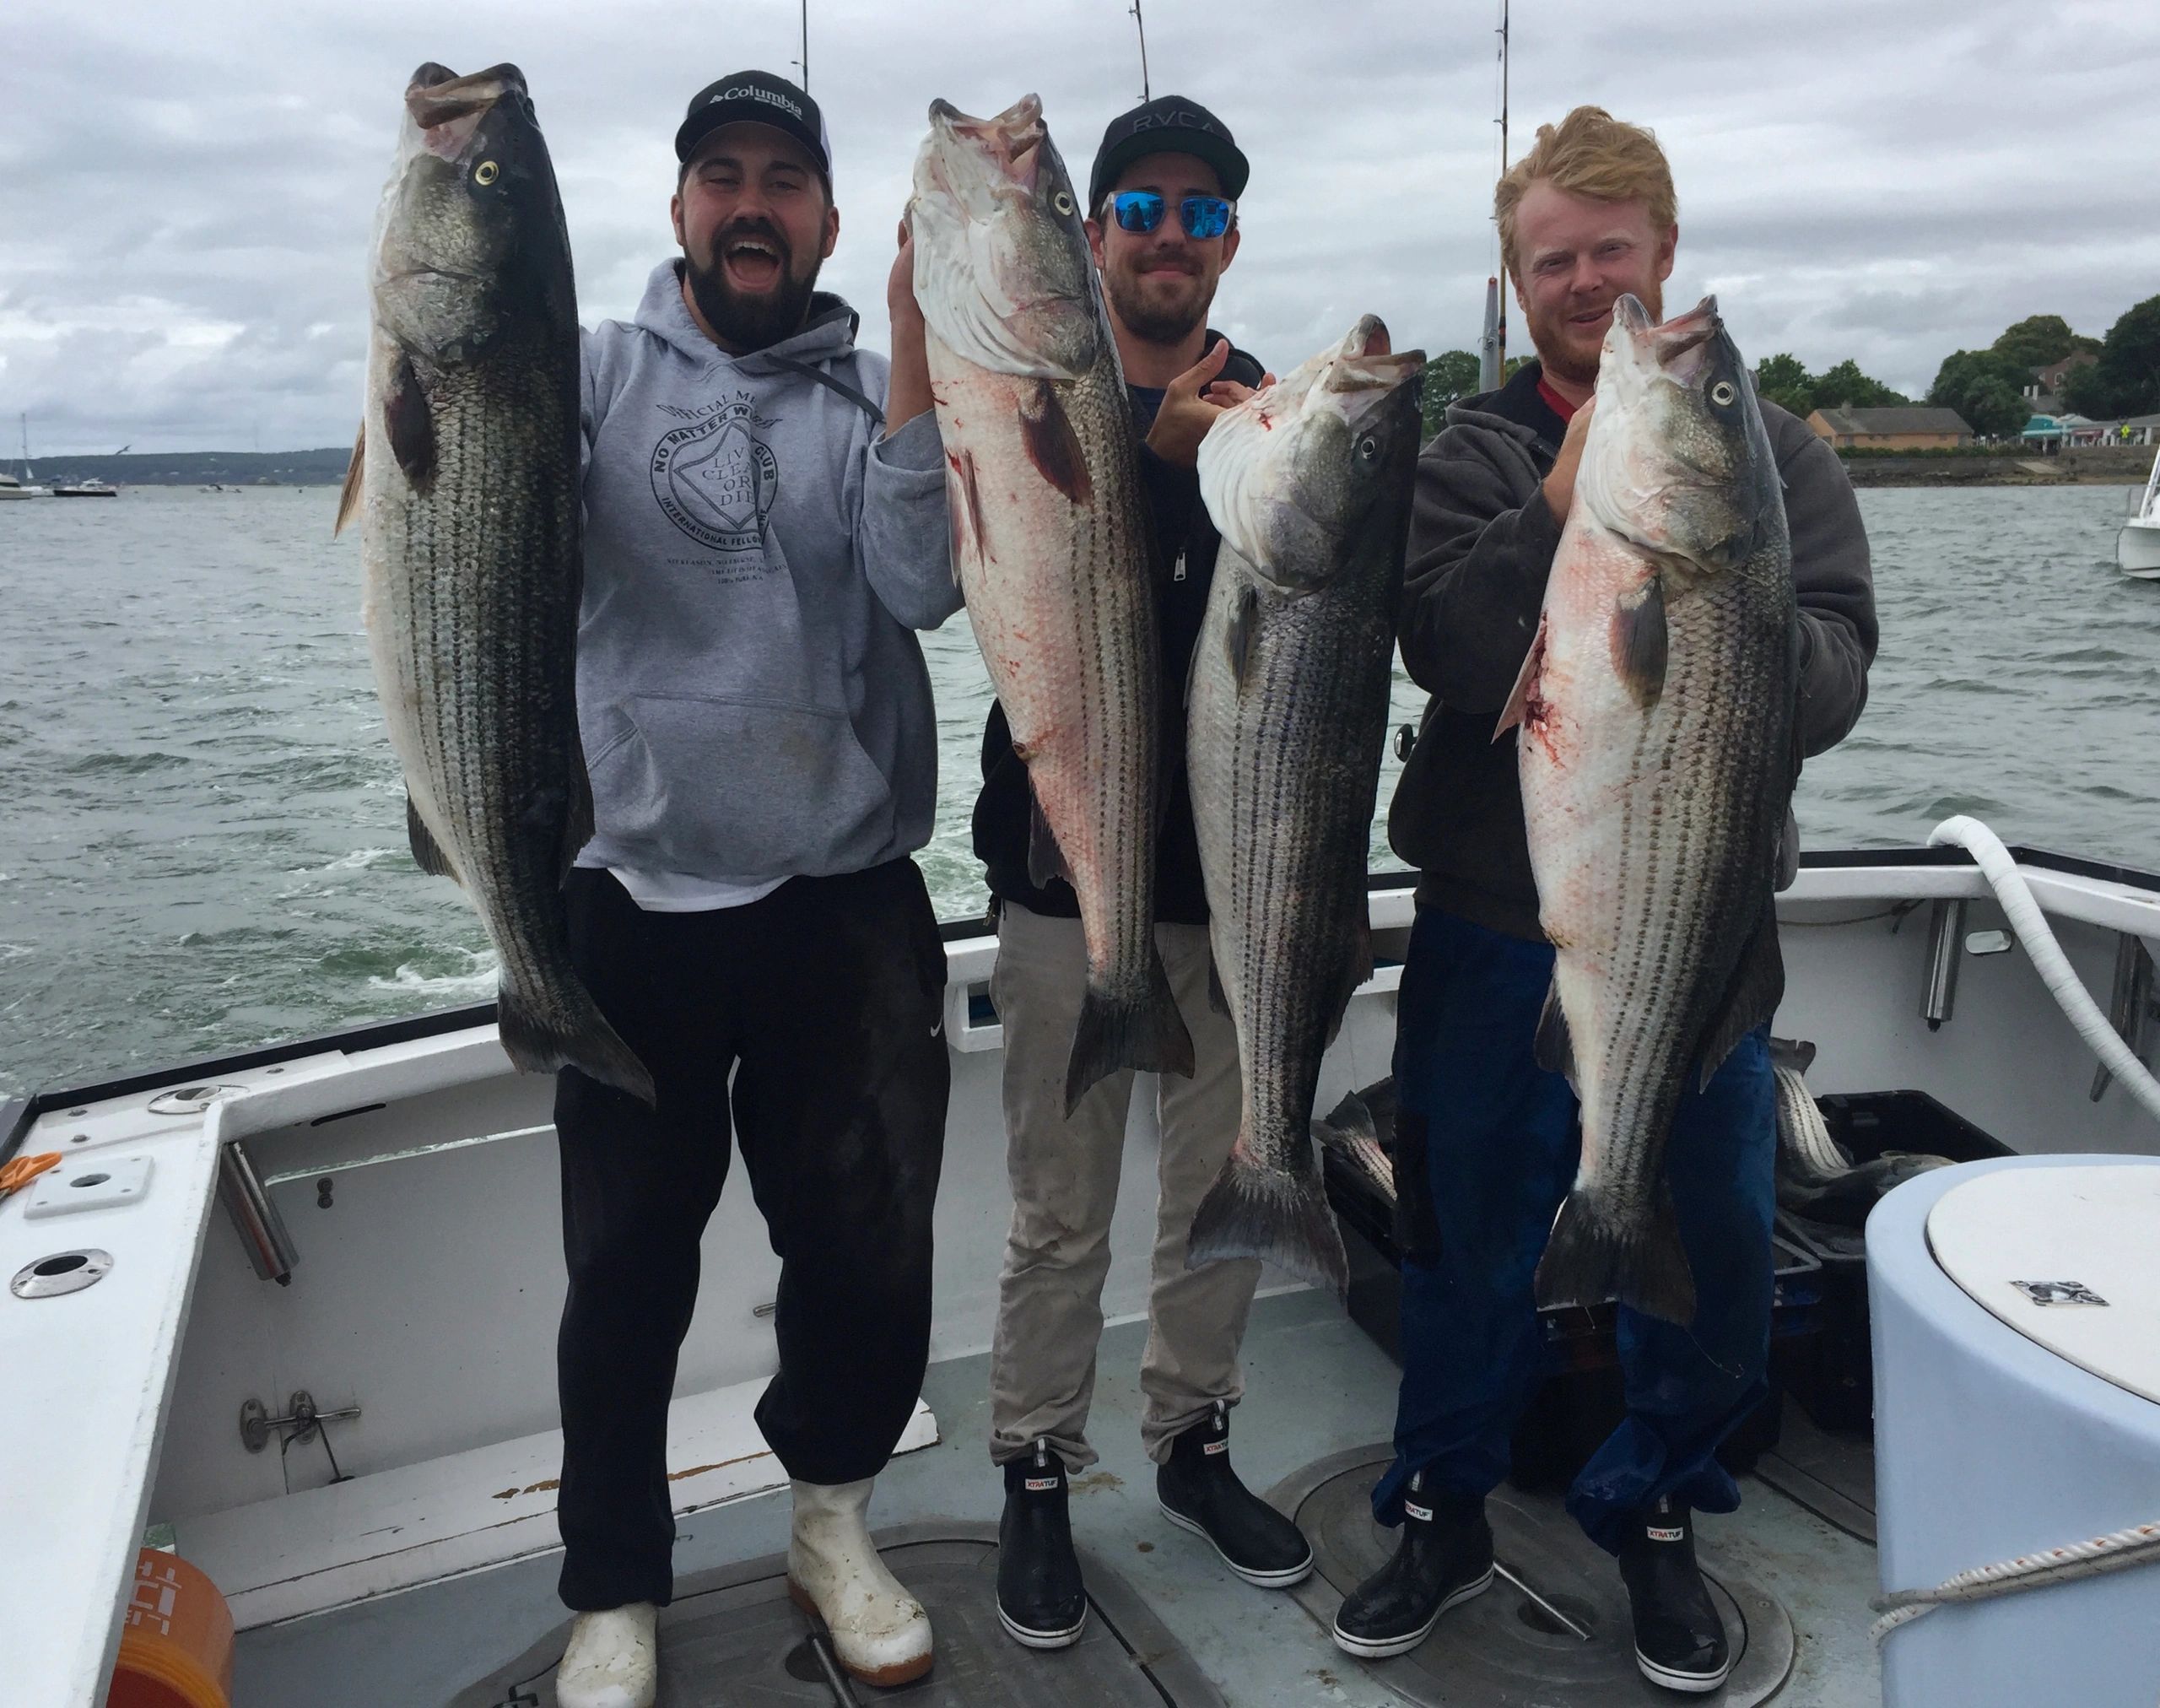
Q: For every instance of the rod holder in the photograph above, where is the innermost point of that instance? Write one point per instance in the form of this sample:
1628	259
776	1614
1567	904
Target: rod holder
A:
262	1229
1946	937
2131	998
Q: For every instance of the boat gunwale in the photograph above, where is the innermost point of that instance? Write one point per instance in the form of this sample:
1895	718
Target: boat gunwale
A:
18	1115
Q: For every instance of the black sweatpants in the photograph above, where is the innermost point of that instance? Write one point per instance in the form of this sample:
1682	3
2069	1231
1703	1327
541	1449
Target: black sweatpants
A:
824	999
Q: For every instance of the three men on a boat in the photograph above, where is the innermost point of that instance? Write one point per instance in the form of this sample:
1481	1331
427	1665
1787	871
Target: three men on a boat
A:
759	727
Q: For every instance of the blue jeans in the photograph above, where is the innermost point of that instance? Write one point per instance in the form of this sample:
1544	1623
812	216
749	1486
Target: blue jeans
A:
1487	1147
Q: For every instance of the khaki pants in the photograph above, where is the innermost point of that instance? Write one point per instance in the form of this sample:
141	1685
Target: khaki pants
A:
1065	1180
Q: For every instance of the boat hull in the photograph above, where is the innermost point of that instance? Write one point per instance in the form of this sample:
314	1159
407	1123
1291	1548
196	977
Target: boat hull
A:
2137	549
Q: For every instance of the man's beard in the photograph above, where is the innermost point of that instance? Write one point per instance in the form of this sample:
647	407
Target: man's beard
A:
1559	357
1152	323
751	322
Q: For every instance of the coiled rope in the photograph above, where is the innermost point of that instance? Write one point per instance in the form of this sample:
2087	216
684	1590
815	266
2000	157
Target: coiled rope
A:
2120	1549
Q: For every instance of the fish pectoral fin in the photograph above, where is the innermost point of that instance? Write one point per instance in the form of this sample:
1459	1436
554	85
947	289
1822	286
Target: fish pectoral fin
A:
1242	632
1052	445
427	852
1519	696
348	499
1554	1049
1752	996
410	425
1046	860
1639	642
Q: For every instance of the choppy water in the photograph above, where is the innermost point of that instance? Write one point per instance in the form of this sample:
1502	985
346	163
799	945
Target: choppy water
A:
202	837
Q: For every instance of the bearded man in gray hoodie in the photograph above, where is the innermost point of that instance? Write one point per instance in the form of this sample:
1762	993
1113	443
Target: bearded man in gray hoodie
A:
765	529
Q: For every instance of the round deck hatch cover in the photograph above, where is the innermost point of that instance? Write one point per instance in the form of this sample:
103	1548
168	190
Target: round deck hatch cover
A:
2066	1256
61	1271
190	1099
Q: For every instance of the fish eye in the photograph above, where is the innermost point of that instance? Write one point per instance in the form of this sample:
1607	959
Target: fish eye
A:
1722	393
484	173
1062	200
1368	448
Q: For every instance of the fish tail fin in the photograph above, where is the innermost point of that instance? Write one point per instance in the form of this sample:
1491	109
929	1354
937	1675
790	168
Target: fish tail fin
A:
1594	1255
1284	1219
1147	1034
588	1043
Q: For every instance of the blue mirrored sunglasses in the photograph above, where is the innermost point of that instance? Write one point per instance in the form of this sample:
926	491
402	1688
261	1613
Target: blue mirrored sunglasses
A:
1142	210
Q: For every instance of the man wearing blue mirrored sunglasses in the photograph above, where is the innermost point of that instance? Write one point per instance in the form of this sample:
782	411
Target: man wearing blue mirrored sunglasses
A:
1163	199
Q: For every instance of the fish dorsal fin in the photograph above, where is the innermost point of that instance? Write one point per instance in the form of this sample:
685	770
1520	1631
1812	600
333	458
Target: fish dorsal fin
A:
1639	641
427	852
348	499
410	425
1052	445
1242	632
1554	1050
1752	996
1519	696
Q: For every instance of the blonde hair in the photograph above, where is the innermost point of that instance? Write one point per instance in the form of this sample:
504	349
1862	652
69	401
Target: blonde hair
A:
1588	152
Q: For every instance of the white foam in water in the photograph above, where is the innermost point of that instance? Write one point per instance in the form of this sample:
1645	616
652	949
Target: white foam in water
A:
360	859
475	986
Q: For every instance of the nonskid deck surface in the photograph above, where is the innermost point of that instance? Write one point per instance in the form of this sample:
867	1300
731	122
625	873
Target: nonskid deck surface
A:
1831	1474
1501	1647
732	1637
1316	1388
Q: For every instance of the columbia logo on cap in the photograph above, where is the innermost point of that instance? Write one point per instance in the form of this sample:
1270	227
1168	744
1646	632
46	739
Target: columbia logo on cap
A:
746	91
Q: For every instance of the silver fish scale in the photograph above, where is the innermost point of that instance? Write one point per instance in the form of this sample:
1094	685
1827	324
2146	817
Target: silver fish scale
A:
1284	771
1700	850
483	602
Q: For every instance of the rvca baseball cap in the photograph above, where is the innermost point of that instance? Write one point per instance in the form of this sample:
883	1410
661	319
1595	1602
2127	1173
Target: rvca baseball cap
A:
1170	124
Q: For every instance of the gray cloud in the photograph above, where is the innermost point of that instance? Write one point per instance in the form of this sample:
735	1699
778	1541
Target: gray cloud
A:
186	189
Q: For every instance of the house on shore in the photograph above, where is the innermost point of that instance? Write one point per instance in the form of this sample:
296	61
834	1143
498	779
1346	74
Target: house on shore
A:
2044	389
1910	427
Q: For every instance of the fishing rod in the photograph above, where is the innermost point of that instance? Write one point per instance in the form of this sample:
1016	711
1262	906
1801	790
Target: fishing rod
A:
1141	24
1500	331
803	64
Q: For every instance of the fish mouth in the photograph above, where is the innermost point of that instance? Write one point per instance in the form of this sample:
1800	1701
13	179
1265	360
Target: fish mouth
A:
448	109
1012	140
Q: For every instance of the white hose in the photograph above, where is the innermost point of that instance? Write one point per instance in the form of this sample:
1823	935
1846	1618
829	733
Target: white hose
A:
2118	1550
2031	926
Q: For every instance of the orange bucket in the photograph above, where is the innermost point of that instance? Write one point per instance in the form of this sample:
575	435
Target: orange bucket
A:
177	1643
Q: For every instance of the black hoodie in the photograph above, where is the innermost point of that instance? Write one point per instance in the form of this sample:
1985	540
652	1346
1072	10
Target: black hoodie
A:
1481	543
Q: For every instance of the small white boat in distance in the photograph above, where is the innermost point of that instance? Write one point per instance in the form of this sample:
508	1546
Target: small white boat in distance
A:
2137	547
12	488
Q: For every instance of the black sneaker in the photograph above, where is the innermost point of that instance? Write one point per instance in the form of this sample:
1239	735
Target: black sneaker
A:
1444	1558
1040	1600
1679	1638
1198	1491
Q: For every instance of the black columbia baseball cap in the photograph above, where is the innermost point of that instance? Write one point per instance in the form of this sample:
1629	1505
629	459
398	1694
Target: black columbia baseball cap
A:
756	97
1170	124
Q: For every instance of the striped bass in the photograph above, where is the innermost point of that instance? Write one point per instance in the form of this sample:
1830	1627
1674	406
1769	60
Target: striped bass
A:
1051	544
1309	483
1657	756
466	484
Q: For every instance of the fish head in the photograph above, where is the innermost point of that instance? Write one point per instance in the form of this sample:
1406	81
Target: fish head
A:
1001	265
1677	461
470	228
1291	475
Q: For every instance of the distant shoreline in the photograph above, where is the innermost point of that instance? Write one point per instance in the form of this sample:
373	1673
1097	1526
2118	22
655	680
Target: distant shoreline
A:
2094	465
321	468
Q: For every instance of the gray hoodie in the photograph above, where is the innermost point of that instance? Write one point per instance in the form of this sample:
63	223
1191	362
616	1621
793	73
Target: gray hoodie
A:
751	697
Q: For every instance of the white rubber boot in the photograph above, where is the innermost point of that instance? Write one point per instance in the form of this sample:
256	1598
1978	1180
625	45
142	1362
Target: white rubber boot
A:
612	1660
880	1632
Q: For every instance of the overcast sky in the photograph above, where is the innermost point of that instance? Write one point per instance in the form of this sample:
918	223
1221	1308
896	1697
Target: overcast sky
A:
185	188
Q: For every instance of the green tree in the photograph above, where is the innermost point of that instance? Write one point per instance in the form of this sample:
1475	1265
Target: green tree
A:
1449	377
1985	388
1786	381
2130	361
1845	387
2036	341
2089	392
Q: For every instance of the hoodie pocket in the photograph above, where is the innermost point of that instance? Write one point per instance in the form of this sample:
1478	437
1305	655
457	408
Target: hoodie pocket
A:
739	787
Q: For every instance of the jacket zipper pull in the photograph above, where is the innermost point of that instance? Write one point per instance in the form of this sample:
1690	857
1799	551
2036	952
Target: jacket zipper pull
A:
1177	574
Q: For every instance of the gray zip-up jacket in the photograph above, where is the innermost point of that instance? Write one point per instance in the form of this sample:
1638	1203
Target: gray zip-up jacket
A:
752	696
1481	544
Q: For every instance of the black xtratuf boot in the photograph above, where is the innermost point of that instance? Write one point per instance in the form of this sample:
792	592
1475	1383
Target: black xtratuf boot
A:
1040	1602
1199	1492
1679	1638
1445	1556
